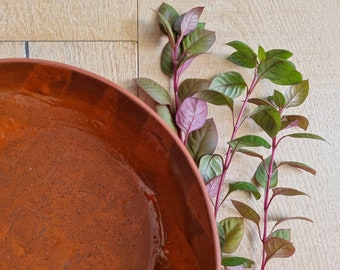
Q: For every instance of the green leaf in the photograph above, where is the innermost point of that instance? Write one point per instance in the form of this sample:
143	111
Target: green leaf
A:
233	228
248	141
288	121
200	25
216	98
287	192
244	186
276	247
191	86
203	141
305	136
261	175
261	54
268	118
279	71
279	99
167	28
247	212
168	13
231	84
154	90
164	112
221	234
278	53
197	42
167	66
297	94
281	233
300	166
244	55
236	261
210	166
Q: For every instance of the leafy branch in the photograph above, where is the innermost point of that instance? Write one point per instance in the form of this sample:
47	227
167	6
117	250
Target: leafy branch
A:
184	108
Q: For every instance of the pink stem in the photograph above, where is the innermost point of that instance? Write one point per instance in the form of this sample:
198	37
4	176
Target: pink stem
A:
267	201
228	157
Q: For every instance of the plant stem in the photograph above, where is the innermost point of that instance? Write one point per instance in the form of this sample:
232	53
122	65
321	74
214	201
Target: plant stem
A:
229	155
176	78
267	201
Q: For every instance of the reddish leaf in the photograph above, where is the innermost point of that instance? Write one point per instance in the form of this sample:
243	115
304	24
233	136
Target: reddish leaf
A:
191	86
287	191
247	212
203	141
250	153
191	115
300	166
291	218
289	121
276	247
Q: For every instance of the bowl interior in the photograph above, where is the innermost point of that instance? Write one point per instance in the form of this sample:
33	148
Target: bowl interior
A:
91	178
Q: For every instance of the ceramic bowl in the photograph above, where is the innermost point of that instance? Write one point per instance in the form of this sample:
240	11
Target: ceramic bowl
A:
91	178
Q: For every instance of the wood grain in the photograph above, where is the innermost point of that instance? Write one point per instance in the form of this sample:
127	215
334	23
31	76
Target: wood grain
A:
114	60
12	49
68	20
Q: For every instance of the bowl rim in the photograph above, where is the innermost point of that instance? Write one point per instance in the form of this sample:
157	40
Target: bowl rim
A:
152	113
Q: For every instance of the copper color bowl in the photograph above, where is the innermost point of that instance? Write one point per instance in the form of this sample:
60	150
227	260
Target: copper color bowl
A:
91	178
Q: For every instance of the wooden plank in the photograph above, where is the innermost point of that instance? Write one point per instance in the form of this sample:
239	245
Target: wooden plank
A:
12	49
68	20
115	61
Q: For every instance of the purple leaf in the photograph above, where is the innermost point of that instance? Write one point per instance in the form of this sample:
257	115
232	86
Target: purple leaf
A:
190	20
191	115
212	186
183	67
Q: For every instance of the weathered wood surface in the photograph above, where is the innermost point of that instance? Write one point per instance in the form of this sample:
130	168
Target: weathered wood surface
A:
68	20
102	36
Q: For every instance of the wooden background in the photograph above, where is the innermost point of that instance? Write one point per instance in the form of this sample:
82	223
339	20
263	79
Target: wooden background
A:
120	40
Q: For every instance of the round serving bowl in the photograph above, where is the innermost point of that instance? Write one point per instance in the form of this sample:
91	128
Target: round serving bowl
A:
91	178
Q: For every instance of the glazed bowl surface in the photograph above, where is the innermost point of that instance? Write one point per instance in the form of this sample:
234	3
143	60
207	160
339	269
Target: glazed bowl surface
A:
91	178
